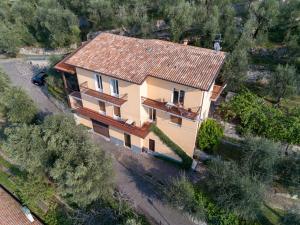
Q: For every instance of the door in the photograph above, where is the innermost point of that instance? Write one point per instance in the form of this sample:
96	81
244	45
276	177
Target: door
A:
100	128
152	145
127	140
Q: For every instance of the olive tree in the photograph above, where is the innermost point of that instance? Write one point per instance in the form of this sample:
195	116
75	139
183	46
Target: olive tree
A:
60	149
284	82
234	190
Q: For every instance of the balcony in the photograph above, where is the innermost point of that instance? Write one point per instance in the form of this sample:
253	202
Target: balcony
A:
117	101
216	92
141	132
124	125
172	109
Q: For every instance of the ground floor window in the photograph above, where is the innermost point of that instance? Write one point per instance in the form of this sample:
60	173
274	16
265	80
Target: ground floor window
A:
176	120
127	140
152	145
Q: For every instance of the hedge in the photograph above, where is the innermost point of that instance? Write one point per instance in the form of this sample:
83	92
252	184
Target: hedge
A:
186	160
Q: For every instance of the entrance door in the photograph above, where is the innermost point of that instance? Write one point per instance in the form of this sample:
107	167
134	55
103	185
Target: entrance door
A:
152	145
100	128
127	140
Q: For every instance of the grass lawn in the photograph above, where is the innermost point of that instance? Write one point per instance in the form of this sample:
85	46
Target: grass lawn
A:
228	150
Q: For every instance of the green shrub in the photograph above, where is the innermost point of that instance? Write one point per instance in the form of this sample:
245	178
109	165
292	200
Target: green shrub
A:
186	160
18	107
209	134
254	115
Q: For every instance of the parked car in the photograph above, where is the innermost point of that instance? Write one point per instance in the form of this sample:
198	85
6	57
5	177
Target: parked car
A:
39	78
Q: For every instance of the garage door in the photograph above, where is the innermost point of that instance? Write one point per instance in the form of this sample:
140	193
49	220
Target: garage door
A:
100	128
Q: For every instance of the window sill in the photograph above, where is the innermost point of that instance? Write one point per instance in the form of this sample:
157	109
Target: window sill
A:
102	112
117	117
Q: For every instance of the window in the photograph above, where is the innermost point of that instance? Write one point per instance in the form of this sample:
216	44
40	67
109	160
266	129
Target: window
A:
127	140
178	96
102	107
99	86
114	87
152	114
176	120
152	145
117	112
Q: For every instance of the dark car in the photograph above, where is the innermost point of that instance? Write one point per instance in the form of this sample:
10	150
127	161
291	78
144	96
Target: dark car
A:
39	79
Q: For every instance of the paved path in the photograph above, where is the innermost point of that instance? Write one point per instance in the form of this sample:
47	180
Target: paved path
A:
20	73
143	179
140	177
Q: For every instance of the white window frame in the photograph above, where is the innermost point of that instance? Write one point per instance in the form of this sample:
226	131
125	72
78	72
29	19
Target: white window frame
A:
116	116
100	111
150	112
179	95
98	85
114	84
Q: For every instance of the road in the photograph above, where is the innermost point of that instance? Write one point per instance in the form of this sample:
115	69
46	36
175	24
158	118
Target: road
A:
130	169
20	73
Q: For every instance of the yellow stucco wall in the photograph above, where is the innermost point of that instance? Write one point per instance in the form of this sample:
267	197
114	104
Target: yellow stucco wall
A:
162	90
129	110
83	120
206	104
157	89
160	147
184	135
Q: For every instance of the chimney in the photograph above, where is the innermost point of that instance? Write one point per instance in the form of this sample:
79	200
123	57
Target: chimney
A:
28	214
185	41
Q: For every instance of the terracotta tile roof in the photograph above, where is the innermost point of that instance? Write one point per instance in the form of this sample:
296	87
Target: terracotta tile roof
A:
11	211
61	66
131	129
64	67
216	92
170	109
133	59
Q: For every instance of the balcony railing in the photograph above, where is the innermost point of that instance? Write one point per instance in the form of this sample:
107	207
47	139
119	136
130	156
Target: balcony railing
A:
122	124
192	114
118	101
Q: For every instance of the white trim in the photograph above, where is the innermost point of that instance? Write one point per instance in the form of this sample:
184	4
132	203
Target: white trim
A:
116	83
102	112
96	82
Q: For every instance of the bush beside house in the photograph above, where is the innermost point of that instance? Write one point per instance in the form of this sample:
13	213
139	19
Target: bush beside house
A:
209	135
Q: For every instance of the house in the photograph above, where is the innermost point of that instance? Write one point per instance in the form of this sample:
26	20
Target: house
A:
126	84
13	213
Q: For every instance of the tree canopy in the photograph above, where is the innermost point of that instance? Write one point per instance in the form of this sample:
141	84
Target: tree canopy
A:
82	171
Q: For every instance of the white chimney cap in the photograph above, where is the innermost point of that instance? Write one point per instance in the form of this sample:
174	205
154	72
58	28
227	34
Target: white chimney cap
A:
28	214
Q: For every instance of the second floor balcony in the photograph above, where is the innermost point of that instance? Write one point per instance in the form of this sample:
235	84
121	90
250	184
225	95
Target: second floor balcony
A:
86	90
177	110
124	125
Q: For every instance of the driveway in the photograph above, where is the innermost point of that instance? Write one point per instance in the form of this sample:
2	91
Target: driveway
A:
145	179
138	176
20	73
